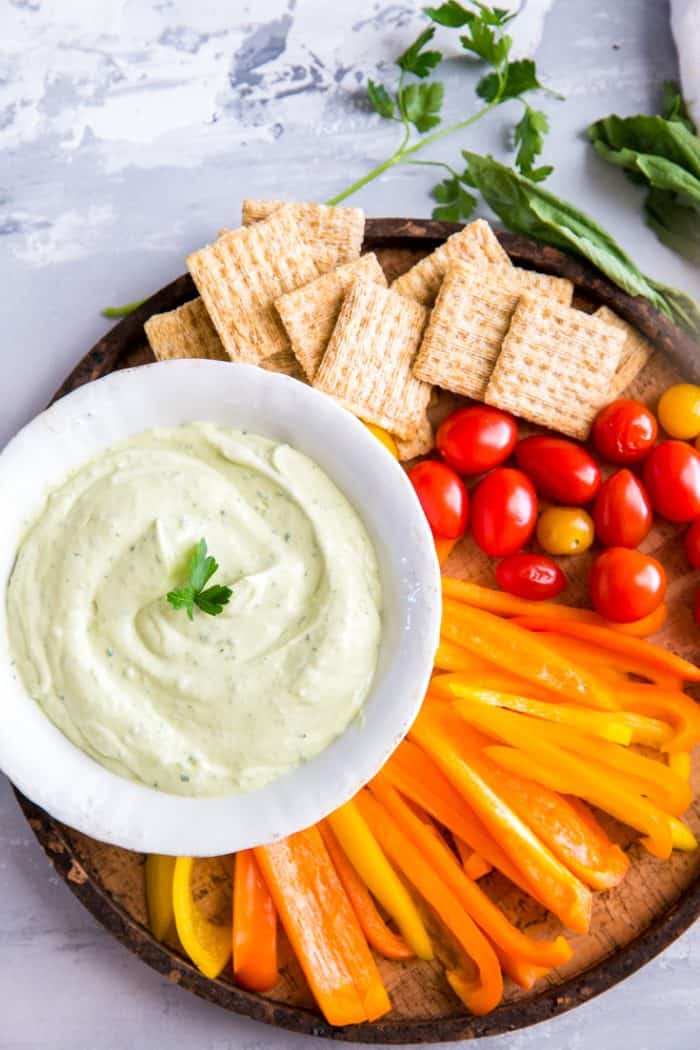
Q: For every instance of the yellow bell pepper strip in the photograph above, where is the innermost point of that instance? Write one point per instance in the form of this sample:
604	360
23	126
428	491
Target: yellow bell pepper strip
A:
481	908
561	771
322	929
254	927
443	549
683	837
159	894
509	645
417	777
207	943
483	993
366	856
384	437
592	723
646	776
378	934
475	866
575	837
644	653
486	675
651	732
671	705
679	762
562	893
504	604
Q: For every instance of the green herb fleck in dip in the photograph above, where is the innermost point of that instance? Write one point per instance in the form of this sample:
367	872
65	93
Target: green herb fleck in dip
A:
218	703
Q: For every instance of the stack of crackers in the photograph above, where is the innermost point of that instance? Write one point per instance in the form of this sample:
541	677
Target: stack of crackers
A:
291	292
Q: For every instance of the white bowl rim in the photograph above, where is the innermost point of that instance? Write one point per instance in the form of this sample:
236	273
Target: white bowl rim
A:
55	774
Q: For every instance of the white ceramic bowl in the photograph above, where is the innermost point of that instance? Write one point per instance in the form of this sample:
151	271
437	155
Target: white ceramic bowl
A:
75	789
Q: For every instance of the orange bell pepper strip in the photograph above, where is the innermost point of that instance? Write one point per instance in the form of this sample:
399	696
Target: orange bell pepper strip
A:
522	973
613	666
561	771
475	866
679	762
483	993
443	549
417	777
254	927
366	856
671	705
378	934
562	893
644	653
322	928
578	841
486	675
642	628
646	775
159	894
590	722
510	645
480	907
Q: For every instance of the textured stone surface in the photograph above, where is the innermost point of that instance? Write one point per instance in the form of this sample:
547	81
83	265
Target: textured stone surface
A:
129	133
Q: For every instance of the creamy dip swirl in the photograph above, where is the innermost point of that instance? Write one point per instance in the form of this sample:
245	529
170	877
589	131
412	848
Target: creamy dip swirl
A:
223	703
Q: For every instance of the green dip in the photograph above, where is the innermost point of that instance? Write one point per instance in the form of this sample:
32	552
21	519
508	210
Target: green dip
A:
224	703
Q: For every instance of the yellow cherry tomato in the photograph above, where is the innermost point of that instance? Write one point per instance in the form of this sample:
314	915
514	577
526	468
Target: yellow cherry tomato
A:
565	530
679	411
385	437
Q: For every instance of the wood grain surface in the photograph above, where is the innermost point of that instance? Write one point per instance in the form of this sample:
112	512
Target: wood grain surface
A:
631	924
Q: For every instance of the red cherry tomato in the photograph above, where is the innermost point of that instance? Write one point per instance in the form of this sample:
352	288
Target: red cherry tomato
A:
533	576
622	513
671	475
476	439
560	469
626	585
504	511
624	431
692	544
443	497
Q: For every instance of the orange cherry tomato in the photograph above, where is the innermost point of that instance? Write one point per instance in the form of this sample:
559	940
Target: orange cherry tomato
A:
679	411
560	469
671	476
622	513
504	512
533	576
626	585
565	530
624	431
442	496
476	439
692	544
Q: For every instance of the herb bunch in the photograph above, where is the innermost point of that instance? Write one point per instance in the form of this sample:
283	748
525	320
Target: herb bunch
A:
212	600
416	102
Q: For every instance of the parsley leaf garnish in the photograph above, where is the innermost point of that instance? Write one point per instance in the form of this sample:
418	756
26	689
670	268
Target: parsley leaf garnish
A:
417	61
202	568
529	138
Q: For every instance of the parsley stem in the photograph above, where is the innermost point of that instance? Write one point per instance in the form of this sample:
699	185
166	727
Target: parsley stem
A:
404	151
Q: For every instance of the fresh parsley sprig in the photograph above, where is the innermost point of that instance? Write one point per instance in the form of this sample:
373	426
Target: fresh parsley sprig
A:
417	104
202	568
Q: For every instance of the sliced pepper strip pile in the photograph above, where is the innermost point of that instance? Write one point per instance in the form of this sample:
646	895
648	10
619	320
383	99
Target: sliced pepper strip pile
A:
254	927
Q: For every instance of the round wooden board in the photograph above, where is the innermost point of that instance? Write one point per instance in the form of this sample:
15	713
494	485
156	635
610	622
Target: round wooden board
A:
657	901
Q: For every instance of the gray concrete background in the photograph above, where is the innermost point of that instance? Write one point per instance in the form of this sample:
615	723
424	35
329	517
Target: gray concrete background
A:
129	133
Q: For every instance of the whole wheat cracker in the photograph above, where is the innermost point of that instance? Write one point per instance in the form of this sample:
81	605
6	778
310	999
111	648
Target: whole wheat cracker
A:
470	319
367	364
636	351
555	366
309	313
241	274
184	332
335	234
422	442
475	243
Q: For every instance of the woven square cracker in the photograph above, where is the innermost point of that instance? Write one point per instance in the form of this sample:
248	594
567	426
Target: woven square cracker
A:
335	234
367	364
241	274
476	243
422	442
184	332
309	313
469	322
286	363
556	366
636	351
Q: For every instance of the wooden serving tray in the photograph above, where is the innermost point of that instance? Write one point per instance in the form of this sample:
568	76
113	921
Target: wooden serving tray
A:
631	924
